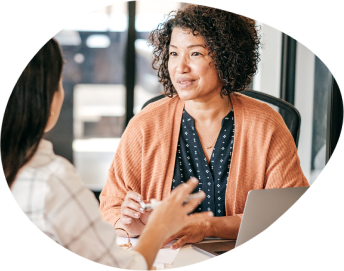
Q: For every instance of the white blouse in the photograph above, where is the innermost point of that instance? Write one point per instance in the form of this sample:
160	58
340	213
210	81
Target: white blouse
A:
50	193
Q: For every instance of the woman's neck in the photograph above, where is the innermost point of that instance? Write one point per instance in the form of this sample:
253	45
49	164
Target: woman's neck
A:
213	109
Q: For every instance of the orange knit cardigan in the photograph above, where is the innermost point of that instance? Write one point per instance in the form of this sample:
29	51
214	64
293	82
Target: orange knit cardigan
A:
264	155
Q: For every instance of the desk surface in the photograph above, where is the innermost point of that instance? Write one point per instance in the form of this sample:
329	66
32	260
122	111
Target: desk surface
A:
188	255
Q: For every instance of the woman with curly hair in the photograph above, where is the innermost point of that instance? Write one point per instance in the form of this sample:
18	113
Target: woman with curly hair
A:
203	128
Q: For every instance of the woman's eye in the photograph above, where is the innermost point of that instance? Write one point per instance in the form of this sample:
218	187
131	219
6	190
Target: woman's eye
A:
196	54
173	53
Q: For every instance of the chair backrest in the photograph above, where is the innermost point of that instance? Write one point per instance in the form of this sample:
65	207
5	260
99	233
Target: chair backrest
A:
289	113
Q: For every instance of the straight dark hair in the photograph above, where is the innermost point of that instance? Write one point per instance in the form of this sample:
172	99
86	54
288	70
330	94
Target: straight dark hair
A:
28	109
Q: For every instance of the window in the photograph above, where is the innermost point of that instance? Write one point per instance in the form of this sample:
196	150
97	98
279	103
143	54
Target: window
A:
94	81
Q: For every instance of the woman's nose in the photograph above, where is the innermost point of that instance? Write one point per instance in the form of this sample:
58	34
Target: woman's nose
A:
182	65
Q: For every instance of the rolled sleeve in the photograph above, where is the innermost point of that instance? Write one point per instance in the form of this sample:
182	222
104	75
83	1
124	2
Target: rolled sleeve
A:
121	176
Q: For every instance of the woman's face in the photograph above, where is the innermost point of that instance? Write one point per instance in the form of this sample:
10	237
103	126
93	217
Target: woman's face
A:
189	67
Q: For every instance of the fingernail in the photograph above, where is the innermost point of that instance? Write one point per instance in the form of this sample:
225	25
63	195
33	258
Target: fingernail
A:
194	180
210	213
141	209
129	220
139	198
137	214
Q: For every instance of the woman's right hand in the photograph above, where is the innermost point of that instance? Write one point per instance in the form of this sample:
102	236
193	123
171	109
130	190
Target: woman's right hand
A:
133	216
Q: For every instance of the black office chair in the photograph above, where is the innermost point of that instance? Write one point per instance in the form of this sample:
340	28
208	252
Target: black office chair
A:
289	113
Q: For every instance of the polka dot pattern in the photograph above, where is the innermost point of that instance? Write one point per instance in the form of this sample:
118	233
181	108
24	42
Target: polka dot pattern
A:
191	162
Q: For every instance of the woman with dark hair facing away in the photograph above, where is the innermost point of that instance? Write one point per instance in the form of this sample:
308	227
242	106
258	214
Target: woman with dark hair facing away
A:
47	187
203	128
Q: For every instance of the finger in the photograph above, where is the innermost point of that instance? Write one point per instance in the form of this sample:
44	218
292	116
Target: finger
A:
181	241
181	192
166	242
175	236
134	205
134	196
130	213
192	204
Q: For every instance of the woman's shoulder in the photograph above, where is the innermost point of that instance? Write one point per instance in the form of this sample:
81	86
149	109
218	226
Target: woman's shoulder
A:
62	168
158	108
155	114
61	181
46	176
45	165
256	111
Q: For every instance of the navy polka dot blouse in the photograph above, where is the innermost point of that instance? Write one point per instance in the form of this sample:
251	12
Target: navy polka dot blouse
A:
191	162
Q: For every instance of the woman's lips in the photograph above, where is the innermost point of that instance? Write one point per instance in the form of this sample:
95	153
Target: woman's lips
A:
185	83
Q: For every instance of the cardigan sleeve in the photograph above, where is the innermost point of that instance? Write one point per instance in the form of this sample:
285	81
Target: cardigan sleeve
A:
283	167
265	155
124	174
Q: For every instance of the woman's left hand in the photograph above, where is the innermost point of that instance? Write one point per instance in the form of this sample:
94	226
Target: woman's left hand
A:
191	233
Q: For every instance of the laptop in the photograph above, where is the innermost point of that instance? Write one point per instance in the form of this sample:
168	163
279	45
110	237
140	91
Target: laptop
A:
262	208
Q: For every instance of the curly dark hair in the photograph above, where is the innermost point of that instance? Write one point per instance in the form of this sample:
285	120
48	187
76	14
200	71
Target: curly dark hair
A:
233	41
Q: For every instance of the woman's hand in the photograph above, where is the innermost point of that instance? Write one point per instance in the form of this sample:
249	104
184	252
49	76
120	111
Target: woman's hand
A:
172	214
192	233
168	218
133	216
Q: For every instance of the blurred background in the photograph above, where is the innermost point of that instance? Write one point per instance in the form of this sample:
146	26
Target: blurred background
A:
108	77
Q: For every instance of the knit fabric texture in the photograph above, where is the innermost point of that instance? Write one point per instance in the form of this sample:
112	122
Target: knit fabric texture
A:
264	155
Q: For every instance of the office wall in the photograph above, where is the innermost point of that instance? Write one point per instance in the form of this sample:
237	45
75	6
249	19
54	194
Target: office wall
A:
304	92
267	79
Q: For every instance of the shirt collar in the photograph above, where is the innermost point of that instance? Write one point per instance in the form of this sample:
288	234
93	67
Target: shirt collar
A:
43	155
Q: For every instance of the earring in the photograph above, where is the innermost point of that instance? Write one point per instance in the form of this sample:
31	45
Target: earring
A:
51	113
